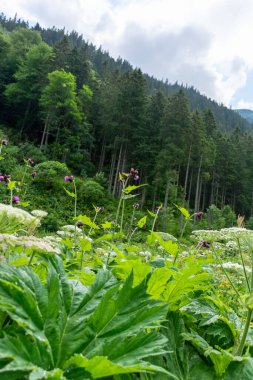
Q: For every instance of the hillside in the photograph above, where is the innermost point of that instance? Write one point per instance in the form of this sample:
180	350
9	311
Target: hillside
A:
226	119
66	101
246	114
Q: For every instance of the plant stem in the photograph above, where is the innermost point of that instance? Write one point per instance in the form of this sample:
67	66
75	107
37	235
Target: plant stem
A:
245	333
31	258
248	319
75	199
244	270
132	234
81	264
94	219
156	216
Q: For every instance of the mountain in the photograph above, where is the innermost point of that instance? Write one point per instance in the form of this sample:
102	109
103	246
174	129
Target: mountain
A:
246	114
226	119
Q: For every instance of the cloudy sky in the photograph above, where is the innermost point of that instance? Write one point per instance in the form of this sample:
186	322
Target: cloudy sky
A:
203	43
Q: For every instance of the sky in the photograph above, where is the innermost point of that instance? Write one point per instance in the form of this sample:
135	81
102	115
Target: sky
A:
202	43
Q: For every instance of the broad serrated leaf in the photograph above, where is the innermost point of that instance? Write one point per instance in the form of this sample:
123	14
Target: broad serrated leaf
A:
61	318
107	225
141	223
11	185
87	221
140	270
170	246
85	244
151	214
107	237
128	196
73	195
129	189
184	212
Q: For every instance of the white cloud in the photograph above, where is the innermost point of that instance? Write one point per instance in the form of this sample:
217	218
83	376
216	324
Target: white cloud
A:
244	104
202	43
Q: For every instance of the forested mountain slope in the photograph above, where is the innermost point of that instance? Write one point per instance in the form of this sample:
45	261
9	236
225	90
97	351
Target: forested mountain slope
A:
77	105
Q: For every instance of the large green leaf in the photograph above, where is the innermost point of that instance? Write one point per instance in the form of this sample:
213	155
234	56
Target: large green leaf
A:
178	286
63	318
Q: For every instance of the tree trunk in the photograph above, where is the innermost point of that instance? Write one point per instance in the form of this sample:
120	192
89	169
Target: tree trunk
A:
44	132
212	190
27	110
196	203
204	198
102	156
116	178
165	205
123	169
186	177
154	199
112	168
144	193
190	187
177	182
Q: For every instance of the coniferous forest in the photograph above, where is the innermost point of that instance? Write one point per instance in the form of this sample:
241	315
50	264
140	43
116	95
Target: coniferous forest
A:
75	104
126	218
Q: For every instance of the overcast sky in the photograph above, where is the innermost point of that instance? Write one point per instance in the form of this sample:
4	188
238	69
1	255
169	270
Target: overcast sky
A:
204	43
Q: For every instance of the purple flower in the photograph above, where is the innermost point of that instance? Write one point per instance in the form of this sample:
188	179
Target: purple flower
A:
199	215
15	200
34	174
69	178
4	142
31	162
134	174
79	224
7	178
1	178
204	244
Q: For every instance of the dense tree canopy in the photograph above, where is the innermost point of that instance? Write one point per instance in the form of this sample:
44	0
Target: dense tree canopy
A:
79	106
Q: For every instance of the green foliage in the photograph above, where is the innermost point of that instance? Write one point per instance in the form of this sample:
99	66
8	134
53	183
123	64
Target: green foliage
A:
76	330
91	191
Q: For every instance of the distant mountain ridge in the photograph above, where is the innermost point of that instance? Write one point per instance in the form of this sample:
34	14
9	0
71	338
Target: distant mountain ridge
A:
226	119
246	114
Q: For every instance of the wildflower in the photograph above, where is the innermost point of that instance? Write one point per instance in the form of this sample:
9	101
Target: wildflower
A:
7	178
31	162
39	213
1	178
204	244
34	174
4	142
80	224
134	174
136	206
15	200
69	178
199	215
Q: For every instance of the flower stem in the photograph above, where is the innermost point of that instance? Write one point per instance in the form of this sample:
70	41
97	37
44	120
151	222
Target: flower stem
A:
31	258
245	333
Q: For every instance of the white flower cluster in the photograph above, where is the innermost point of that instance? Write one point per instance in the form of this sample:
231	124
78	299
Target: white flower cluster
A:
69	230
234	266
145	254
13	219
39	213
46	244
225	234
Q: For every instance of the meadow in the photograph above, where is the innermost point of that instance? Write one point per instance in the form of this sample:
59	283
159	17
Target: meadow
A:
111	295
